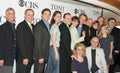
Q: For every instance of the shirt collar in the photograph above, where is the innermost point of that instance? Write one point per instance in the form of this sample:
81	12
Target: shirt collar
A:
28	23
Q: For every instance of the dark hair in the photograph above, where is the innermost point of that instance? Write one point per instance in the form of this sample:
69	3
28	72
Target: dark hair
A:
96	21
83	15
100	17
46	9
66	14
29	10
54	14
74	18
111	19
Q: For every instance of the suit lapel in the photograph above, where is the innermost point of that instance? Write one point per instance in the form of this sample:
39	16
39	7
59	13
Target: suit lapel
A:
27	26
10	28
43	24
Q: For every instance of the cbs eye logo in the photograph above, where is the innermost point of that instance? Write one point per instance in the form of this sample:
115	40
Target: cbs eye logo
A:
21	3
28	4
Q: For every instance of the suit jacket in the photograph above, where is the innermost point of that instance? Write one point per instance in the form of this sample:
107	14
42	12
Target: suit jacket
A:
116	36
42	41
75	36
7	44
86	29
100	59
65	40
25	42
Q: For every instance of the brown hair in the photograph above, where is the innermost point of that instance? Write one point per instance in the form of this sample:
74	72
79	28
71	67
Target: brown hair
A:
29	10
53	20
46	9
66	14
83	15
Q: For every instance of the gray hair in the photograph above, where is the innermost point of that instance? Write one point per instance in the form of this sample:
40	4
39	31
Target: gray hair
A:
9	9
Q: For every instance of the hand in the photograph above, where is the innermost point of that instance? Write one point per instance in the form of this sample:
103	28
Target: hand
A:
83	34
56	57
110	57
1	63
25	61
116	51
41	60
73	57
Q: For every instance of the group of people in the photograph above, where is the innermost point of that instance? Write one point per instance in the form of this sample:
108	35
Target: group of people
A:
74	45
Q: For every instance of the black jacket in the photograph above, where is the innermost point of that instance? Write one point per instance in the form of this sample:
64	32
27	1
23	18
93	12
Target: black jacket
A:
7	44
25	42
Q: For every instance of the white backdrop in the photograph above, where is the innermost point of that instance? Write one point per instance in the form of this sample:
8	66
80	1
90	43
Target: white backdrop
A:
37	5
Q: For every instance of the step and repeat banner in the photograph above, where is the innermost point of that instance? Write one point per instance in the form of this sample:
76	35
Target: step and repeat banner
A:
38	5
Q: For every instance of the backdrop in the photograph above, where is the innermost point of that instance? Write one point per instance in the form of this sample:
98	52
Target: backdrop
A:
38	5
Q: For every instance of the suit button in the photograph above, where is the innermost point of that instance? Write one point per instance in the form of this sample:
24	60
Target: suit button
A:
14	39
14	45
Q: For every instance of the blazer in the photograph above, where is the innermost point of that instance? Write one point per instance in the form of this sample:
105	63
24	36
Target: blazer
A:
116	36
65	40
87	40
75	36
42	41
100	59
25	42
7	44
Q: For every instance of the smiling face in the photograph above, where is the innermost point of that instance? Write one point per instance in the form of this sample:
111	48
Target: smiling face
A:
68	19
29	16
104	30
46	15
94	42
10	16
111	23
79	50
82	19
57	18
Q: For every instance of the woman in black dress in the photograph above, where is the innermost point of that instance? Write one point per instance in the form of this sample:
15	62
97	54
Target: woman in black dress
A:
79	64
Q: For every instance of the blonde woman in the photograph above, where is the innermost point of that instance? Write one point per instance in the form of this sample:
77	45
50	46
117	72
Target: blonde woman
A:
80	63
106	42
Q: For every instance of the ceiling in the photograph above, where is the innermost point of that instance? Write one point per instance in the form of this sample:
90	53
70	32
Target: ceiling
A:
115	3
112	5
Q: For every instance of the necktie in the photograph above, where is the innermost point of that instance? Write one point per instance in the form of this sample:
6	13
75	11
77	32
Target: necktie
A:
31	27
13	28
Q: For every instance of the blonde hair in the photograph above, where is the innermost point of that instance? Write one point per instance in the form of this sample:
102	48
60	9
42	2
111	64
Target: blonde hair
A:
76	47
101	34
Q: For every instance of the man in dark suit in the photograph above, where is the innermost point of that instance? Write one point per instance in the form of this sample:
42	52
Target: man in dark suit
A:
65	45
83	27
115	32
7	42
25	43
42	41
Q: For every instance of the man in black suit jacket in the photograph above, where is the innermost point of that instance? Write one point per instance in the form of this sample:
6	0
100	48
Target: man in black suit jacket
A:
42	41
7	42
65	45
115	32
25	43
83	18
